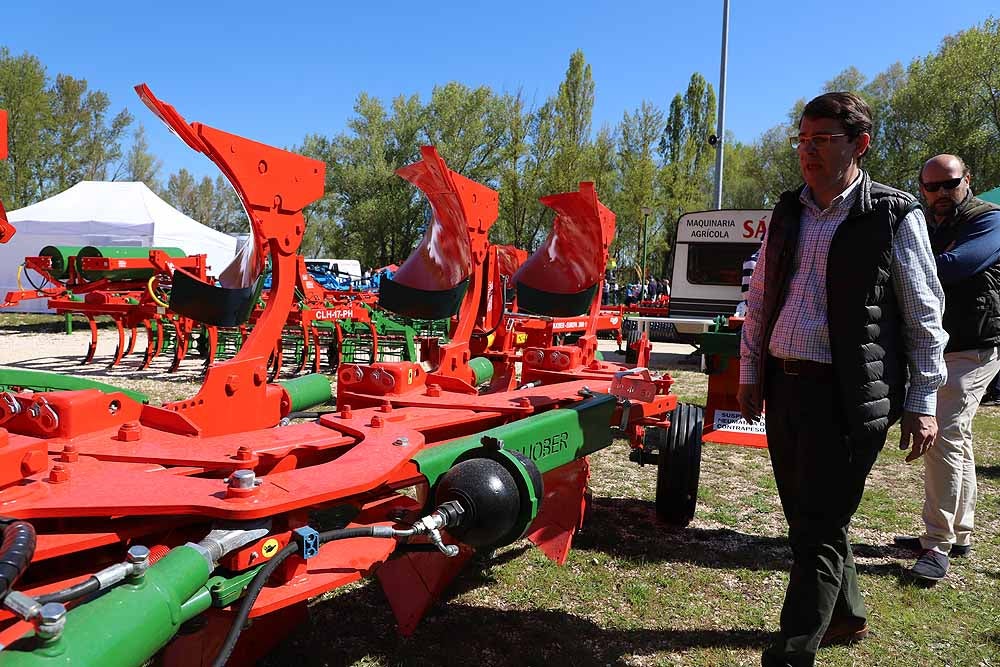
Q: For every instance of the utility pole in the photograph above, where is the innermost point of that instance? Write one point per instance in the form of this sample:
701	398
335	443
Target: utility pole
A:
721	132
645	217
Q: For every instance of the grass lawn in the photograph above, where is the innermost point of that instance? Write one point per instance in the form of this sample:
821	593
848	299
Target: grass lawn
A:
636	593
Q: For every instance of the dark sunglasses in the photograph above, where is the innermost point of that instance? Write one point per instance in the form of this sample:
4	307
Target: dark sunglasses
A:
950	184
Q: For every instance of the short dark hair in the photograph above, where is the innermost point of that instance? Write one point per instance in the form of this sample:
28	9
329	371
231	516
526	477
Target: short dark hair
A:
852	112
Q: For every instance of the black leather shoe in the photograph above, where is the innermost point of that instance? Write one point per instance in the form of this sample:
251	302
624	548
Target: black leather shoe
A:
930	568
913	544
960	550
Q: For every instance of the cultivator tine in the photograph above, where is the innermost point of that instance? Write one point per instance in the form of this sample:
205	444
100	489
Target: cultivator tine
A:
317	349
147	357
120	350
158	323
180	346
92	348
304	357
131	341
213	345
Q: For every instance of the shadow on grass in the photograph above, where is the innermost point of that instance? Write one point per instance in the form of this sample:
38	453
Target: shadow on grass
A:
191	371
989	472
628	528
358	626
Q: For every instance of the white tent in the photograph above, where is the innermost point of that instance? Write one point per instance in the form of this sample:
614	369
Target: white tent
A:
106	214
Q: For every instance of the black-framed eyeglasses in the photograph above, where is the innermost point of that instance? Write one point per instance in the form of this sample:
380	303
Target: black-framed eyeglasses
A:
950	184
819	140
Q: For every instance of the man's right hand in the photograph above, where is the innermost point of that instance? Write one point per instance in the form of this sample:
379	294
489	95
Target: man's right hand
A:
750	403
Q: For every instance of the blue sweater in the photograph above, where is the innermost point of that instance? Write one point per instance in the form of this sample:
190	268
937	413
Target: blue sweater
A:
976	248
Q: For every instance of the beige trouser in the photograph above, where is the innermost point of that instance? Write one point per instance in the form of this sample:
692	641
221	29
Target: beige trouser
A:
950	466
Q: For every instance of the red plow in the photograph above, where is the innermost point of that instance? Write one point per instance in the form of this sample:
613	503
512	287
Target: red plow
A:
135	532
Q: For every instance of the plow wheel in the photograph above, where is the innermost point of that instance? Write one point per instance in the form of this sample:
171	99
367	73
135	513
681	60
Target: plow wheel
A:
678	464
93	340
120	350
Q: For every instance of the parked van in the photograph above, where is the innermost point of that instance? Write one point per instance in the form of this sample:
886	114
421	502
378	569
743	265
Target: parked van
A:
706	267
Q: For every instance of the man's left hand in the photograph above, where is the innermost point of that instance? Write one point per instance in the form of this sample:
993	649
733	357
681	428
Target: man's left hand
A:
921	430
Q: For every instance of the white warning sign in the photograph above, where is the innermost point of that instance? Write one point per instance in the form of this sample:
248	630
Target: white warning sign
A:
732	421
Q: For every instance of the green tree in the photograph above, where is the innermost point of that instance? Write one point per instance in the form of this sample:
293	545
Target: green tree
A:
24	94
60	131
140	164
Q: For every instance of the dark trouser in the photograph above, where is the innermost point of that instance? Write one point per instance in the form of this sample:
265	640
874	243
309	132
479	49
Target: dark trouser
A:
820	474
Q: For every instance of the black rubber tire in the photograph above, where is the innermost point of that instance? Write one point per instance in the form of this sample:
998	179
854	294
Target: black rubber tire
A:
678	464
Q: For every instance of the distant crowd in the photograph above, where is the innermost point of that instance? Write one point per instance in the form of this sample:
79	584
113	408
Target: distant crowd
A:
614	293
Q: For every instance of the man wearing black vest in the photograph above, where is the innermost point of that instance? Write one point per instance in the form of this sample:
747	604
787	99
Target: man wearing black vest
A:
965	237
844	304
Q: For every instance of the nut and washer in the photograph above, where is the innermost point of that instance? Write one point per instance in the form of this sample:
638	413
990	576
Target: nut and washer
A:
51	620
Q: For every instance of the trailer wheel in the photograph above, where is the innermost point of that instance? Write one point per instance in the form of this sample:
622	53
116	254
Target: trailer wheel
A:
678	464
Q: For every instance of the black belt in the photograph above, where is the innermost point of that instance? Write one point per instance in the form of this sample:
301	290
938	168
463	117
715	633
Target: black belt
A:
800	367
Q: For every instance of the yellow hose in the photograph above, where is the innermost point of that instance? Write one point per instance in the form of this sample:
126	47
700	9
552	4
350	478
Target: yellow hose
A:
20	270
152	294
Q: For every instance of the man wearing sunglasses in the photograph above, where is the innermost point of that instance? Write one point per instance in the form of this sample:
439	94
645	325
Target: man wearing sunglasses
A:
843	305
965	236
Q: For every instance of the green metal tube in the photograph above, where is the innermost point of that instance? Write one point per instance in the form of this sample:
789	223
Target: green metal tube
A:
123	252
482	368
308	391
49	381
60	254
550	439
131	622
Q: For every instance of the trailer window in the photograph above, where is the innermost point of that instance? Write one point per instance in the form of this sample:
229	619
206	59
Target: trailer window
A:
717	263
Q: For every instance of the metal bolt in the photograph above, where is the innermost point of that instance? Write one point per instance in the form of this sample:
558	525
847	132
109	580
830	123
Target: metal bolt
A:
138	557
51	621
58	474
345	412
376	422
244	453
401	442
242	479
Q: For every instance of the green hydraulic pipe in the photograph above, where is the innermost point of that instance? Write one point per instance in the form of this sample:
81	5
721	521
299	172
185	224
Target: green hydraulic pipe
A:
550	439
21	378
60	256
482	368
123	252
308	391
127	625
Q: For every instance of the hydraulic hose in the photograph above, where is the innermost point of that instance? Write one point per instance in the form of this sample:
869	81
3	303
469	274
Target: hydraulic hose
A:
16	552
257	584
91	585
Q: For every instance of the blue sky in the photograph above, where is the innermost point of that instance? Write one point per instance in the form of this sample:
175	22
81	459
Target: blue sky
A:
276	71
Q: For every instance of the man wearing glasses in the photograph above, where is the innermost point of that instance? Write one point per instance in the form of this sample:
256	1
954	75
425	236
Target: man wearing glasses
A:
965	236
843	305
